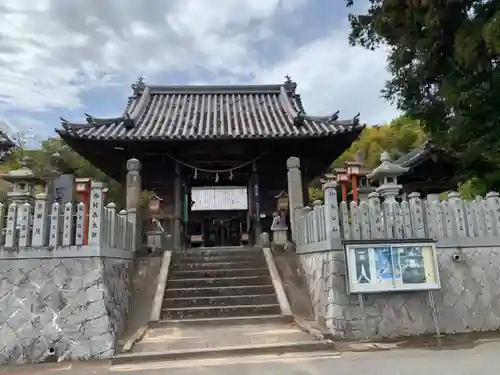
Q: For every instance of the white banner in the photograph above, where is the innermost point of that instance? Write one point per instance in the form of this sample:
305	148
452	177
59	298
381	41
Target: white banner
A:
215	198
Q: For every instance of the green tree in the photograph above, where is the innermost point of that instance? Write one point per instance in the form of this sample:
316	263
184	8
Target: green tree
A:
444	62
398	138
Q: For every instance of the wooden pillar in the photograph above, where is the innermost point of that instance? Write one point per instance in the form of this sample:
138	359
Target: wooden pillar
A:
256	202
177	207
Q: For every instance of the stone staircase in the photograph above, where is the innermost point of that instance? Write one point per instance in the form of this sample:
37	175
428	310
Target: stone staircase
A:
219	283
220	302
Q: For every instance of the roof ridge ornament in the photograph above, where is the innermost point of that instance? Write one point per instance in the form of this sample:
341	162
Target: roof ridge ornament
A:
290	85
355	120
139	85
335	116
90	119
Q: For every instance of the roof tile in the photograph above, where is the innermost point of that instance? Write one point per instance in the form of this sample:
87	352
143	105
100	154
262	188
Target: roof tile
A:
211	112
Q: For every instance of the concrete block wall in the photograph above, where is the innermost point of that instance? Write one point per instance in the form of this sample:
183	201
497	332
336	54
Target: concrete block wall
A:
469	299
62	308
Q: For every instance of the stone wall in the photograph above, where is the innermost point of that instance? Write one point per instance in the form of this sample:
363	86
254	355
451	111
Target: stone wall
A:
469	299
62	308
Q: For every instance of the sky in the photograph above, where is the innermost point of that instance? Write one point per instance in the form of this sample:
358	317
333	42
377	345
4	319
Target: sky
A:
66	58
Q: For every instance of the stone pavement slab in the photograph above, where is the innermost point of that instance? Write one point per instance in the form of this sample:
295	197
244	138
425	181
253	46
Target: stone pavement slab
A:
198	337
478	360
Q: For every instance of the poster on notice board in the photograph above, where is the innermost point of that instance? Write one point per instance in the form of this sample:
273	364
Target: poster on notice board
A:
392	267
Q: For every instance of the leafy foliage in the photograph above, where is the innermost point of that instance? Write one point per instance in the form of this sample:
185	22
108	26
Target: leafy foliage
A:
398	138
444	60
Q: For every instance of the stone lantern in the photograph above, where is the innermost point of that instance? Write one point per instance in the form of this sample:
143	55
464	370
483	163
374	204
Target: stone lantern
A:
25	185
386	174
156	238
279	227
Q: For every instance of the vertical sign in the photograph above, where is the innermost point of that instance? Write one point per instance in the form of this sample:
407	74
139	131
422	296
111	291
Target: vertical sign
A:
80	224
40	221
95	213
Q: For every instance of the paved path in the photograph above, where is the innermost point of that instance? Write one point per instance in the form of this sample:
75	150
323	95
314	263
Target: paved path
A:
480	360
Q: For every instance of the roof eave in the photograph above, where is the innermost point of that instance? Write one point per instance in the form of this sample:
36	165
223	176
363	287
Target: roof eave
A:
71	134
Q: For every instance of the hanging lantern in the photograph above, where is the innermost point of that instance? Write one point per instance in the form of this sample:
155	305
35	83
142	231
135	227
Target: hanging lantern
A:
154	204
282	201
353	168
342	176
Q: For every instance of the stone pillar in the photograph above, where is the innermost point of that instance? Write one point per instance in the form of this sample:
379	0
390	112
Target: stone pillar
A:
96	213
177	207
134	188
295	193
332	214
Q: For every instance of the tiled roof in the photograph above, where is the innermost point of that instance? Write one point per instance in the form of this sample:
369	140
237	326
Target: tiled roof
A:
414	156
211	112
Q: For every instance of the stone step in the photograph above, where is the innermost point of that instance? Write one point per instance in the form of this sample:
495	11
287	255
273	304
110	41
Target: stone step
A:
224	352
210	291
210	251
218	281
219	311
205	273
218	265
222	321
216	258
253	299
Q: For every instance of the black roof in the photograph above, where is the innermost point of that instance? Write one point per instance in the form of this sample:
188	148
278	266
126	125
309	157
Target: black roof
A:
211	112
417	155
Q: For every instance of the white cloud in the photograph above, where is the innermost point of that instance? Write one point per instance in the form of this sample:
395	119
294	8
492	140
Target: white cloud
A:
53	51
333	76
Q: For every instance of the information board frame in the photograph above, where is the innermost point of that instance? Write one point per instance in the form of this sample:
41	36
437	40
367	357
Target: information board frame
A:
391	267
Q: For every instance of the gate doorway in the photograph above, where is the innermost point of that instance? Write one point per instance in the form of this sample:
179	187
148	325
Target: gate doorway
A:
219	216
223	232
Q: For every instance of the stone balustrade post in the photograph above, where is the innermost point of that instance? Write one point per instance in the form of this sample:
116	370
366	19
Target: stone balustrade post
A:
417	215
295	193
295	216
96	212
307	228
332	214
492	201
40	221
134	188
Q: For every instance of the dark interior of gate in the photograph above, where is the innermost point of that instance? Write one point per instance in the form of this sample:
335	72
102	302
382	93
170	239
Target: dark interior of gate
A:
218	158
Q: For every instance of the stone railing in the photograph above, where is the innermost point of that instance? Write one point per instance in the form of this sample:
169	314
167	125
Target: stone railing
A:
317	228
450	222
37	225
415	218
